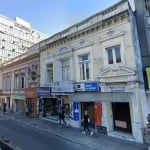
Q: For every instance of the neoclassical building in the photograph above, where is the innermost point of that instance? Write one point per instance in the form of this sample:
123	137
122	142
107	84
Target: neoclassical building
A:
96	65
19	79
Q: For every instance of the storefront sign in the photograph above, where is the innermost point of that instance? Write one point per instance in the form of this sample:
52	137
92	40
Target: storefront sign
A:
92	86
76	111
117	88
62	86
18	97
101	129
43	91
30	92
148	76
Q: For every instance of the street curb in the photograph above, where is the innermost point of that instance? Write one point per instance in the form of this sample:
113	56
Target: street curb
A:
56	134
7	145
70	139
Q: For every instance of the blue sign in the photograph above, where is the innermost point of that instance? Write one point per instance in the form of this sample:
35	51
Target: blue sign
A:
76	111
43	91
92	86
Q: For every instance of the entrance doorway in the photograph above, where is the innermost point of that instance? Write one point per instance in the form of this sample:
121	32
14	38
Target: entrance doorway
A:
90	106
50	108
121	117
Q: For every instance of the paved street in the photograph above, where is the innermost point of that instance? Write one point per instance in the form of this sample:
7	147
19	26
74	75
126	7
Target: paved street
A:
29	138
34	133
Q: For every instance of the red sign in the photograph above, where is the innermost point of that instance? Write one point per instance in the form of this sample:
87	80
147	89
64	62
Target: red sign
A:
98	113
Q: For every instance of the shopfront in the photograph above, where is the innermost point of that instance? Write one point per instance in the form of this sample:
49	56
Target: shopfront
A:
60	96
86	95
94	112
48	104
2	100
121	117
110	108
50	108
32	101
19	102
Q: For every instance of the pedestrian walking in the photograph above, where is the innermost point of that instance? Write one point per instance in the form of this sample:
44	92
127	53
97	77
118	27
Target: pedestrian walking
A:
27	110
4	108
62	116
86	121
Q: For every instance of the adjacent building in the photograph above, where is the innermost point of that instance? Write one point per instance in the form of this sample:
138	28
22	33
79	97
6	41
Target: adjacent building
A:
142	14
19	79
16	36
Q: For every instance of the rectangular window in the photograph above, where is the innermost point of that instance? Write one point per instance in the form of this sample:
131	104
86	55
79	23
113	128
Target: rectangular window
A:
117	54
65	69
50	72
8	82
84	65
4	83
22	80
113	54
110	56
16	81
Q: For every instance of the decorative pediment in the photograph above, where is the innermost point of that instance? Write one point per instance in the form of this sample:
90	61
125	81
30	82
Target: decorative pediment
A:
116	71
83	43
64	49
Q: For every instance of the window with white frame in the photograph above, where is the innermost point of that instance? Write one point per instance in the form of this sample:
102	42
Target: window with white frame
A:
65	66
113	54
84	65
49	72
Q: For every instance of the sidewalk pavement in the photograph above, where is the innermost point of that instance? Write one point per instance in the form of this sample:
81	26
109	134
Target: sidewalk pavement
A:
96	142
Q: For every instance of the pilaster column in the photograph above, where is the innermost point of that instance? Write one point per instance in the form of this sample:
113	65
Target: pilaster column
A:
107	119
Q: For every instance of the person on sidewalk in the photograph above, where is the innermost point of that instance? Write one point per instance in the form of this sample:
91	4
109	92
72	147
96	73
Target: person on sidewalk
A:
86	121
27	110
4	108
62	117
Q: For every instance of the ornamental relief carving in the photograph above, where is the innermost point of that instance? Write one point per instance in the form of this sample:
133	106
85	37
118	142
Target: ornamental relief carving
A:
33	72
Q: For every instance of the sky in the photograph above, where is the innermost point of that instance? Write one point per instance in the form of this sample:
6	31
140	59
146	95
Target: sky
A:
53	16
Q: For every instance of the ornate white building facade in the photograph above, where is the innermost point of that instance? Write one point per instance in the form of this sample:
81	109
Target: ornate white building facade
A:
96	65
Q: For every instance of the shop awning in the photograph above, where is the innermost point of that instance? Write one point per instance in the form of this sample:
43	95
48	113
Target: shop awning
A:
19	97
101	97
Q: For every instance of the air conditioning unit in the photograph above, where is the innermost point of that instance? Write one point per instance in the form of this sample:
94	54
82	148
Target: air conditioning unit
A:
79	87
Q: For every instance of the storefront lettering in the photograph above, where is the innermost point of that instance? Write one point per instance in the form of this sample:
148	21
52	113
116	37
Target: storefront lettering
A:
116	88
93	86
